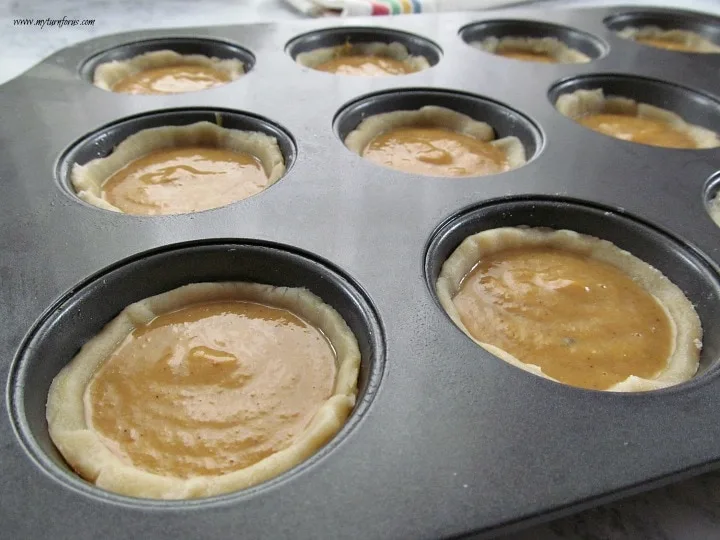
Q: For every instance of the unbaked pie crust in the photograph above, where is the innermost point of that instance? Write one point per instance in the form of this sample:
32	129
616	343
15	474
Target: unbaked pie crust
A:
684	358
83	449
550	46
434	116
585	102
696	42
395	51
88	179
108	74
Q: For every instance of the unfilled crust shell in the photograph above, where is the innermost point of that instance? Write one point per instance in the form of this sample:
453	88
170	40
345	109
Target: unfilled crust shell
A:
109	74
700	44
396	51
584	102
88	179
83	450
687	331
551	46
434	116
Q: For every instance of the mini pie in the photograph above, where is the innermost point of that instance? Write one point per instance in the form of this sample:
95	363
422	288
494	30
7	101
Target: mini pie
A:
435	141
206	389
180	169
628	120
166	72
572	308
548	50
364	59
672	40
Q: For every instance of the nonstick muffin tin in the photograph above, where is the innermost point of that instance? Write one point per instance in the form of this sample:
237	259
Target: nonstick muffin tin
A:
446	439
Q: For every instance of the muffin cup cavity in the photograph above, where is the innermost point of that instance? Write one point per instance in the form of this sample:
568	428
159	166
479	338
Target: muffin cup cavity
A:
83	312
667	101
316	47
78	176
556	40
651	23
506	123
117	62
682	265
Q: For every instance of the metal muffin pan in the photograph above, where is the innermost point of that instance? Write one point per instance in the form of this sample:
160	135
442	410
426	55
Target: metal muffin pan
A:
447	440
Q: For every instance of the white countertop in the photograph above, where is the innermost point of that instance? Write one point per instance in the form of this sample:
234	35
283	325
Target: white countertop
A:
687	510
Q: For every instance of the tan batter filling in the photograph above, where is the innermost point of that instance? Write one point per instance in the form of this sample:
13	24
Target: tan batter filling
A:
369	66
182	180
211	388
435	152
527	56
668	44
171	80
638	129
582	321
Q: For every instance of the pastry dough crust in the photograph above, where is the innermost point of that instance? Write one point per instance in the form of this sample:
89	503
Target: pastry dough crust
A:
551	46
582	102
687	331
110	73
396	51
434	116
691	39
83	450
88	179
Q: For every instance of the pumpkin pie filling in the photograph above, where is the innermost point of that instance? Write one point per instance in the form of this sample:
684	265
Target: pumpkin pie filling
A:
210	388
583	321
365	65
670	45
527	56
171	80
638	129
182	180
436	152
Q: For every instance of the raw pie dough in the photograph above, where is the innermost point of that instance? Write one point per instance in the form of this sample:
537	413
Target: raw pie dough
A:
547	49
84	450
88	180
686	330
399	60
432	116
581	104
673	40
110	74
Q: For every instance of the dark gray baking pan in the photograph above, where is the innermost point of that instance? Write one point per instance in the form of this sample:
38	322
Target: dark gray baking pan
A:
446	440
